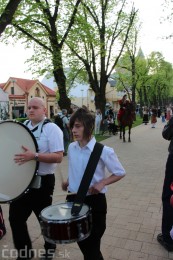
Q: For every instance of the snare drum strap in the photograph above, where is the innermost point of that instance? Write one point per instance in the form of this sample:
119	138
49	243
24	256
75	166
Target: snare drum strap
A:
87	177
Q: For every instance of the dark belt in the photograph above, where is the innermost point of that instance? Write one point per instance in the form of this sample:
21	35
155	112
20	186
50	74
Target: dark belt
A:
40	180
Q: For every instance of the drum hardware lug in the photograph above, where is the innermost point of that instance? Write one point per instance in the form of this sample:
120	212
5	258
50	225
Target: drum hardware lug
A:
80	234
44	229
68	231
87	225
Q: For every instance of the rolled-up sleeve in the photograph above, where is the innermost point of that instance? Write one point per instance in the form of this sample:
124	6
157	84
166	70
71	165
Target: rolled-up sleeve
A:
112	162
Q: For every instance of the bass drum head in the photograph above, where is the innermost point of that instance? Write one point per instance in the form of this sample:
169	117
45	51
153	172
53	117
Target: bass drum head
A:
62	212
14	178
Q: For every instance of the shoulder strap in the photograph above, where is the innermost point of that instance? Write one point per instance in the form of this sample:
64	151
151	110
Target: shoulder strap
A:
44	123
87	177
27	122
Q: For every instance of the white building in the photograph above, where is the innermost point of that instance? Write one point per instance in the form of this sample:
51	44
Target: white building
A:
81	93
4	105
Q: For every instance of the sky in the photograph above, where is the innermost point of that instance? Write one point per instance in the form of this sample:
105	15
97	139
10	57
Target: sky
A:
154	29
12	58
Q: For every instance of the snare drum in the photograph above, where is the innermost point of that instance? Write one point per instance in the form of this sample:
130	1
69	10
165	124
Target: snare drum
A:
15	179
59	226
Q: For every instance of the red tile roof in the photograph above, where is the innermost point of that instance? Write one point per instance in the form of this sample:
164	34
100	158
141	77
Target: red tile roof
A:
2	85
48	90
27	84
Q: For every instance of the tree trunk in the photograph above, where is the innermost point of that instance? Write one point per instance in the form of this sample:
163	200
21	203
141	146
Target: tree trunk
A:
60	78
100	102
8	14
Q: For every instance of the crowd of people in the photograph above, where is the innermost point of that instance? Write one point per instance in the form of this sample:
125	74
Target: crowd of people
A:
153	113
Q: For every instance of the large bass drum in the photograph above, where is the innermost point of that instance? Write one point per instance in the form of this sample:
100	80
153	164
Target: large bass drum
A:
15	179
59	226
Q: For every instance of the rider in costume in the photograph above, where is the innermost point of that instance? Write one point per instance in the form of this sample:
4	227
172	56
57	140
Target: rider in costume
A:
123	104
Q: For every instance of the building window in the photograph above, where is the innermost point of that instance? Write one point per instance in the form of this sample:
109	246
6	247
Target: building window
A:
37	92
12	90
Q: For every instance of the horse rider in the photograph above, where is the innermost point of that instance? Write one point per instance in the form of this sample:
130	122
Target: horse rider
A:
123	104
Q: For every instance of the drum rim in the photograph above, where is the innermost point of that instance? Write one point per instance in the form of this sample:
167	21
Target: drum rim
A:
37	163
73	218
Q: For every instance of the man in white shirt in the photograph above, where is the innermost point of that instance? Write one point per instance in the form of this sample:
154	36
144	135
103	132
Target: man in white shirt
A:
49	138
65	130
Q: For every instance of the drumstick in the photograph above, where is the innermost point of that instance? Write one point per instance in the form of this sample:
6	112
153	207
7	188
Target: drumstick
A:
60	173
62	180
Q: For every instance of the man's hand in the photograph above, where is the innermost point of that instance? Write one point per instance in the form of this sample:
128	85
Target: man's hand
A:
24	157
64	185
96	188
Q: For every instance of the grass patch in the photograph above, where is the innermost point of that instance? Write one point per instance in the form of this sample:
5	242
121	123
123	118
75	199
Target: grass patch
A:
100	138
138	121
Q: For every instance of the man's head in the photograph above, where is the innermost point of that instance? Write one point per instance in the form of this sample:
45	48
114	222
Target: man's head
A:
36	110
64	111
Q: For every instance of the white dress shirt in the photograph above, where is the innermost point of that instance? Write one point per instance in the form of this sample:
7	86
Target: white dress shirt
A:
49	140
78	159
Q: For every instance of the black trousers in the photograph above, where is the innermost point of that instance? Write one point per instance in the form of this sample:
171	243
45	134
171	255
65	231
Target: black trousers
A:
20	210
90	247
167	216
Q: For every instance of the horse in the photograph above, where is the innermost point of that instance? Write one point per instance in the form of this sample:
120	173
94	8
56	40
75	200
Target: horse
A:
127	120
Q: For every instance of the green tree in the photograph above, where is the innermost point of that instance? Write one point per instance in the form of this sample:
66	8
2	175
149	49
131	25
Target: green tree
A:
161	80
46	25
132	74
95	41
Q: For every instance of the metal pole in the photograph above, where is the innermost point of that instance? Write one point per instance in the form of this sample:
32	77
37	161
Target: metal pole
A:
82	96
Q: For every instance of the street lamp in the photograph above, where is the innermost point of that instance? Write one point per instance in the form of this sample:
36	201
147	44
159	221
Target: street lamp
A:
82	96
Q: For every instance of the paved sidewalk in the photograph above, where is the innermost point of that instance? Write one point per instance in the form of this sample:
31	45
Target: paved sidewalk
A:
134	203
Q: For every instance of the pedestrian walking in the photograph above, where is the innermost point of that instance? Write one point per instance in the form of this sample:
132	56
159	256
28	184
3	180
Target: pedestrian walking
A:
145	115
153	117
98	120
49	138
82	125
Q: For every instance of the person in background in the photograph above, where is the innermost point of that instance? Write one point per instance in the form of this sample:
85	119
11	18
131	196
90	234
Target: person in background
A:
98	120
145	115
158	112
153	117
163	117
164	238
168	112
110	112
65	130
49	138
2	225
82	126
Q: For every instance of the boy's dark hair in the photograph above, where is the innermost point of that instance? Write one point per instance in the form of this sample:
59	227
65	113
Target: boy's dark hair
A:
86	118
